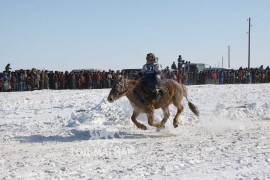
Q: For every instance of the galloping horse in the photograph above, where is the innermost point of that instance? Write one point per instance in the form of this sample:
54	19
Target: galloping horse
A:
141	101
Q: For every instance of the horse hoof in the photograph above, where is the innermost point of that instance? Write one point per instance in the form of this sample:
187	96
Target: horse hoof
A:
143	127
175	126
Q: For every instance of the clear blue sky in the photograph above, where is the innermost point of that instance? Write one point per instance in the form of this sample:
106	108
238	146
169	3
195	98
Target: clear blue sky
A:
117	34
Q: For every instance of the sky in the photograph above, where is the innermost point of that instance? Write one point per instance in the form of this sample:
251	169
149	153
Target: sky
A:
117	34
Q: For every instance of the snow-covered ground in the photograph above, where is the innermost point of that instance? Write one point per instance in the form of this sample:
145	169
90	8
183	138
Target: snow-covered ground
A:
74	134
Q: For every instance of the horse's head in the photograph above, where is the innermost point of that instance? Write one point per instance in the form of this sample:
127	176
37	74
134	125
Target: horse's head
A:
119	88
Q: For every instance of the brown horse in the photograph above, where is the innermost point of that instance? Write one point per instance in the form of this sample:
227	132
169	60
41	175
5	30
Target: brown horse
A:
141	101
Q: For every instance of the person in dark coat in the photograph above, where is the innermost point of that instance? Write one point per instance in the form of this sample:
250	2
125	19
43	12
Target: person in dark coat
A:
8	68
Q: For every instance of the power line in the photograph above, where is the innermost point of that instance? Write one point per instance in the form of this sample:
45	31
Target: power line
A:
263	26
262	18
262	12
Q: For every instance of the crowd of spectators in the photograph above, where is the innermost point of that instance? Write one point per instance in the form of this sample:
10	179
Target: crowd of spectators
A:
240	76
34	79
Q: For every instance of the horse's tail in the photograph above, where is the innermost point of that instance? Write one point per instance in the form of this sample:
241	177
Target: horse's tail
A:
191	106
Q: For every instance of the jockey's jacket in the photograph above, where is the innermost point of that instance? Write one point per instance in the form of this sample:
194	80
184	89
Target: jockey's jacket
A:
151	70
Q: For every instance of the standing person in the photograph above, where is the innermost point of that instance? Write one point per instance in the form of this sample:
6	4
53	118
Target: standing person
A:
5	81
41	81
248	77
66	78
37	79
180	76
186	77
70	81
14	81
109	77
150	74
62	80
92	76
55	80
167	73
87	79
215	77
32	82
173	67
46	80
1	82
95	80
21	81
102	79
82	81
26	74
118	75
98	80
74	80
221	77
7	68
174	77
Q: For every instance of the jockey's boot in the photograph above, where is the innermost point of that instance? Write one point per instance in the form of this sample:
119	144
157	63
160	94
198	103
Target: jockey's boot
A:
155	94
159	92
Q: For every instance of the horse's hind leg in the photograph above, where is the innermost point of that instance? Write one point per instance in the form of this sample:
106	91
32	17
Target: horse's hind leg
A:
180	109
134	120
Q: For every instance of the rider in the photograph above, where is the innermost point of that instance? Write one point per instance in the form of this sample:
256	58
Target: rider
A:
151	73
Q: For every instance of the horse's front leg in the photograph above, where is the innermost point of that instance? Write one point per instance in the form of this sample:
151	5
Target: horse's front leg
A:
134	120
166	114
150	116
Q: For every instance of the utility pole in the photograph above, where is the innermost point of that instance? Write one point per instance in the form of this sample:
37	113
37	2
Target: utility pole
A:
229	58
222	61
249	21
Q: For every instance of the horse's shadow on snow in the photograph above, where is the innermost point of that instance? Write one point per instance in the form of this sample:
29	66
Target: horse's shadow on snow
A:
39	138
78	135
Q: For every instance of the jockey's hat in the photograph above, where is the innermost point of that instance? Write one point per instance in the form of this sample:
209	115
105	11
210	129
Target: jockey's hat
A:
150	57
